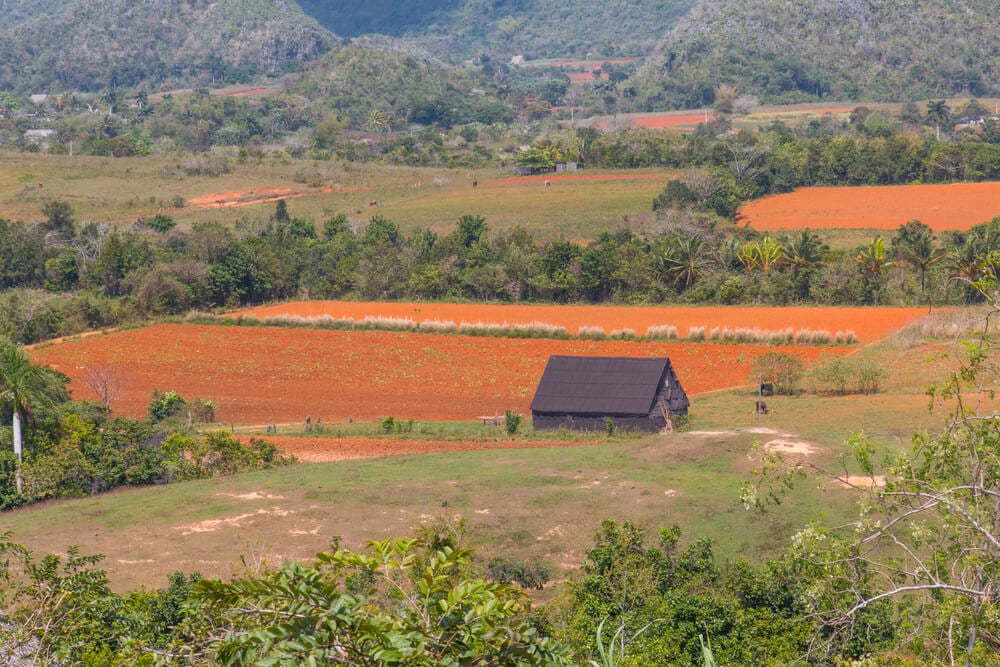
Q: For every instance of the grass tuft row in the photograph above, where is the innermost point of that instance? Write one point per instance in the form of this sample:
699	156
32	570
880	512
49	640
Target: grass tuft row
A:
663	332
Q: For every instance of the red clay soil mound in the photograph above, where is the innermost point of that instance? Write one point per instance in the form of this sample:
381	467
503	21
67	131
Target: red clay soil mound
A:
955	206
234	198
673	120
261	375
867	323
322	449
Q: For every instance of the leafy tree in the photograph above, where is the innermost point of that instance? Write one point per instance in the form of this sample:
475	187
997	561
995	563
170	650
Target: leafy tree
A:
394	605
780	369
924	553
167	404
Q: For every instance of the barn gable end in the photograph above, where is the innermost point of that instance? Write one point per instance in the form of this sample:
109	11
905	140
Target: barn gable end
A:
582	393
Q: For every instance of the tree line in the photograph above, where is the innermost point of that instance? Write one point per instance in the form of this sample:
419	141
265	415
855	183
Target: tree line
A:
59	276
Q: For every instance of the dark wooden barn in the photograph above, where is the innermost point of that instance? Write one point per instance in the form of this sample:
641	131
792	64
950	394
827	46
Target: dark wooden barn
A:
582	393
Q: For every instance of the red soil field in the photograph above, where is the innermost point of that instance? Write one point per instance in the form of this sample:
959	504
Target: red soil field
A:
954	206
258	375
584	77
868	324
672	120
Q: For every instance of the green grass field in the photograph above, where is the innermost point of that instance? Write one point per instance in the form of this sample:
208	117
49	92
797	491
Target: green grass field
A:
534	504
122	190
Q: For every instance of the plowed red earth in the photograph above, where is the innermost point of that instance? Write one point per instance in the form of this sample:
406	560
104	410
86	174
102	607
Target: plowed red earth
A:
262	375
676	120
955	206
867	323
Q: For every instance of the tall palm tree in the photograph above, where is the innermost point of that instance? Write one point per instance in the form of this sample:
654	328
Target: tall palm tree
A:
22	385
938	112
920	253
873	260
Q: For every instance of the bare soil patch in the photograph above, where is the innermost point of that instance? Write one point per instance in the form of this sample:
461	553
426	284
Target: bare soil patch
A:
248	197
954	206
280	375
673	120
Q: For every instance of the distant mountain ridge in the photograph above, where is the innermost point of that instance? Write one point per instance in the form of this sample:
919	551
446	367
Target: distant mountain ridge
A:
534	28
776	50
93	44
797	50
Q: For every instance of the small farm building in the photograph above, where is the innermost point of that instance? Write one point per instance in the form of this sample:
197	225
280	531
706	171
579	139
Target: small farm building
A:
583	393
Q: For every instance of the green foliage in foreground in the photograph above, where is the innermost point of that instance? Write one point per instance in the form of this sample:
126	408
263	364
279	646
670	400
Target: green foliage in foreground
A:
395	605
74	449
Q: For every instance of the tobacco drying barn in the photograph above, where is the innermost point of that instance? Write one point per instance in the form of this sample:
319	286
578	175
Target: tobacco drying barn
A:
582	393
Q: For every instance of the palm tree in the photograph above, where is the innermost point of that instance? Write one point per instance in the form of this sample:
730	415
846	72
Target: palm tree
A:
938	112
683	260
768	253
873	261
805	251
23	386
921	254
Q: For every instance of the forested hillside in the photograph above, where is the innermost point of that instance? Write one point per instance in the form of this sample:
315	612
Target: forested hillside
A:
90	45
791	51
501	28
774	50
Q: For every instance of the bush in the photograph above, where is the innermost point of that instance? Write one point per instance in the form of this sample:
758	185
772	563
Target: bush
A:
870	376
780	369
524	574
161	223
833	377
511	422
387	424
165	405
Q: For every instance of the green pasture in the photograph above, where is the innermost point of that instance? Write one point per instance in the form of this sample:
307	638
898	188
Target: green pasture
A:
535	504
121	190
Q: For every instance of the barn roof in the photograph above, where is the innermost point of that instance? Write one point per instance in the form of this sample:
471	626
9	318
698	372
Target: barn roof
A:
600	385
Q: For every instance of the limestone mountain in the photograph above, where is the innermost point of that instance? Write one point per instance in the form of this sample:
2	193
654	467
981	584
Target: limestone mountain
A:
802	50
94	44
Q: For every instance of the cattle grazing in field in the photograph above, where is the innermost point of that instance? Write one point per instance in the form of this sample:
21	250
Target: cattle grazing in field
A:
548	183
373	203
761	407
766	389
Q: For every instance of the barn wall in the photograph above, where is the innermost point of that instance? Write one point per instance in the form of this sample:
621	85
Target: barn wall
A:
649	424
